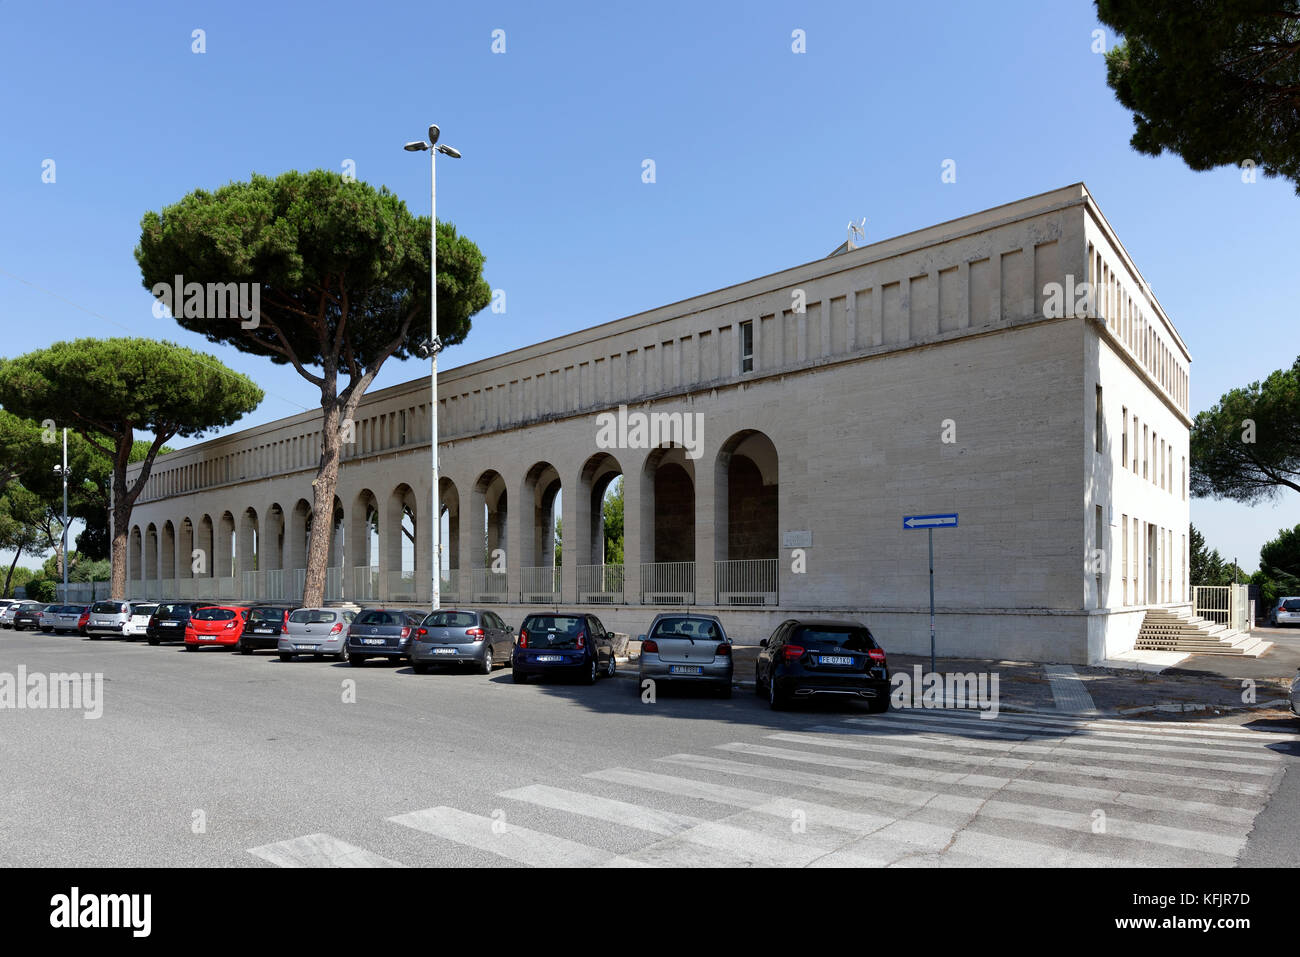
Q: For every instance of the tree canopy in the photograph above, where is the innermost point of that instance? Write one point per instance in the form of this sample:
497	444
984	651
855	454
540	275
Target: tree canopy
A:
341	275
1215	81
108	389
1246	447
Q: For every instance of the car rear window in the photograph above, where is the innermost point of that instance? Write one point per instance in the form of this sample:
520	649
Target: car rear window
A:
1291	604
213	614
451	619
375	617
266	614
143	609
696	628
173	611
850	639
306	616
106	608
553	631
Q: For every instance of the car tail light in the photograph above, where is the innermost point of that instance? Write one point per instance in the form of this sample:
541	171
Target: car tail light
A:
723	650
523	637
406	632
650	645
338	627
793	652
582	640
474	632
877	655
230	624
421	632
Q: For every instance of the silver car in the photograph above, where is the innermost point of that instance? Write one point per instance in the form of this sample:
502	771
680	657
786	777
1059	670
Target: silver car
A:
108	618
61	618
687	648
316	632
1285	612
451	636
8	611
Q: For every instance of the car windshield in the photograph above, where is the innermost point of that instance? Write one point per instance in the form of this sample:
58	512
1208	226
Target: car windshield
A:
1291	604
106	608
213	614
312	616
696	629
848	639
451	619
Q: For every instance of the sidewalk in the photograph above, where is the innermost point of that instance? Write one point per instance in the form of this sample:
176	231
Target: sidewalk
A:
1202	686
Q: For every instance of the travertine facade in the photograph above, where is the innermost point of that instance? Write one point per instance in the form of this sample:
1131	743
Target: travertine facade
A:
931	372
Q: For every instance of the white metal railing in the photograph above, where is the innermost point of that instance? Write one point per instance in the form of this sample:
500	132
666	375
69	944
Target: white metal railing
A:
449	587
487	585
228	587
1211	602
746	582
166	588
275	583
601	584
299	583
1239	617
251	585
185	588
539	584
668	583
401	587
205	588
333	583
365	583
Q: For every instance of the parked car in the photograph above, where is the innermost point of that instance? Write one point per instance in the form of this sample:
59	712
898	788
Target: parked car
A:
382	633
108	618
137	626
61	618
169	620
1285	612
8	612
689	649
83	620
215	625
316	632
265	625
452	636
28	615
5	605
574	644
808	657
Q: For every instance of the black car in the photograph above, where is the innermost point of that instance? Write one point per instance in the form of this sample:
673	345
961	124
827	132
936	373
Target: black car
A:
169	620
568	643
807	657
264	627
29	615
382	633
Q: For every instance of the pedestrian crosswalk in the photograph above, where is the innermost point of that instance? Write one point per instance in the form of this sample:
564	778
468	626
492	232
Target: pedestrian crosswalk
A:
906	789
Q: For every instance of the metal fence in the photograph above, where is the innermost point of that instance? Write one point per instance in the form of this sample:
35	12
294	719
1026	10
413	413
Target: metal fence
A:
746	582
601	584
668	583
83	593
1226	604
539	585
487	585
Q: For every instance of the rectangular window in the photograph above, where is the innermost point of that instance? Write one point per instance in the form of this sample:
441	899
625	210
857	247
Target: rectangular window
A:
1182	477
747	346
1097	426
1146	451
1099	555
401	427
1135	445
1123	527
1123	424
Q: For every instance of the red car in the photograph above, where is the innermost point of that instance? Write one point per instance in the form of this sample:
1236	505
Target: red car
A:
215	625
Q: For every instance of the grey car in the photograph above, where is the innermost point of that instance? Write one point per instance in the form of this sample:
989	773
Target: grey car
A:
61	618
452	636
108	618
316	632
382	633
686	648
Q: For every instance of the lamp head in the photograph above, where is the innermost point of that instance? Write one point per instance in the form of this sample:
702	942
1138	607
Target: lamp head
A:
433	134
416	147
449	151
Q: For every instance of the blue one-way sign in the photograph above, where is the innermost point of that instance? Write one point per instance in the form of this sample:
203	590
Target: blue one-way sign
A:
930	521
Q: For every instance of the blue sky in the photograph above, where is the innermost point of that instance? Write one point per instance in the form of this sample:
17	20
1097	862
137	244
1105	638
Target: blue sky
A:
762	156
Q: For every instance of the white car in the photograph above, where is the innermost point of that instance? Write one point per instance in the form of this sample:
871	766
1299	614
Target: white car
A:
7	608
137	626
1286	612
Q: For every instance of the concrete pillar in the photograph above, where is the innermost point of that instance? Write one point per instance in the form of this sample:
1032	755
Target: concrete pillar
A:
706	513
576	518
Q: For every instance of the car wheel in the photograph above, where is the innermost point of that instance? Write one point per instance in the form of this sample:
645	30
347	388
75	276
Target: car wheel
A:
878	705
611	667
243	648
518	676
775	700
590	677
355	660
419	669
486	667
153	641
191	647
725	690
758	684
286	657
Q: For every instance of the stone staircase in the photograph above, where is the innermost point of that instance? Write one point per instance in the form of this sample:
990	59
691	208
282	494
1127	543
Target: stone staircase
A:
1179	630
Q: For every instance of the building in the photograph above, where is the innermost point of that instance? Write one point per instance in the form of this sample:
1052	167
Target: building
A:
959	368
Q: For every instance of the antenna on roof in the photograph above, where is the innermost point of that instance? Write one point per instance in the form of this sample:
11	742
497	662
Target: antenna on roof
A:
856	229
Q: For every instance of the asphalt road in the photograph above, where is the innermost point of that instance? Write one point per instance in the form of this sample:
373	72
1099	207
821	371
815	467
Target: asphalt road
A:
215	759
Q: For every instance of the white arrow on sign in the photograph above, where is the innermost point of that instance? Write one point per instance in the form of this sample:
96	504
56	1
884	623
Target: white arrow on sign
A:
930	521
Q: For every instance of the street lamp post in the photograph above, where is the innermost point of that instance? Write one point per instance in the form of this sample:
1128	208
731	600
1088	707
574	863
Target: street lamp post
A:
433	346
63	472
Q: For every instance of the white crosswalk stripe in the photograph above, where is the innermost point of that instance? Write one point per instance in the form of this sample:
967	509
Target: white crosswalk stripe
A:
906	789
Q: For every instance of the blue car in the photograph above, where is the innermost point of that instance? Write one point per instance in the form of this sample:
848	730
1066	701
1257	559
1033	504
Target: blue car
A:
576	645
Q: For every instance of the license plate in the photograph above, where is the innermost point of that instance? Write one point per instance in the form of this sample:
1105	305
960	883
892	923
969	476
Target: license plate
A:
169	624
263	631
835	660
304	647
684	670
207	637
373	641
444	651
548	658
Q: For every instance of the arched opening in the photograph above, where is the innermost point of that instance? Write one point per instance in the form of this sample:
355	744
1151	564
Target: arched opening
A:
540	554
136	554
448	539
597	543
487	538
202	562
746	520
167	560
296	542
363	533
225	549
151	553
668	527
403	555
246	555
335	561
270	552
185	547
